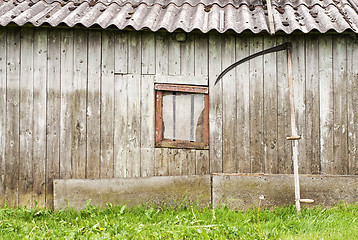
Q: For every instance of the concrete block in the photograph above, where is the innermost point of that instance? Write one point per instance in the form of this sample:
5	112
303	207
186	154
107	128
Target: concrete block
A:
166	190
243	191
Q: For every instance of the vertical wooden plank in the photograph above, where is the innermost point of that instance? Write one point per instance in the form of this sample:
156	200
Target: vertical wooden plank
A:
134	127
175	165
3	114
26	118
201	55
256	107
147	126
121	126
340	147
79	129
215	110
40	97
243	106
53	113
312	163
352	95
187	56
162	53
270	108
174	56
94	104
229	106
284	148
107	105
148	53
161	164
188	161
326	104
121	52
134	52
299	82
202	162
67	62
12	127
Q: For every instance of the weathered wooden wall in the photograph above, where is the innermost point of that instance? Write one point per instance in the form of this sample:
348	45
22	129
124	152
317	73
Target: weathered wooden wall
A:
78	103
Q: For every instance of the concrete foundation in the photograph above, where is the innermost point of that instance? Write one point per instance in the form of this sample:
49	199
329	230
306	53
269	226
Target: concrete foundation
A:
234	190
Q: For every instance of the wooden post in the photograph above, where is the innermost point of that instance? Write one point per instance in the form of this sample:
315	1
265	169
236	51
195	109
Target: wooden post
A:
294	136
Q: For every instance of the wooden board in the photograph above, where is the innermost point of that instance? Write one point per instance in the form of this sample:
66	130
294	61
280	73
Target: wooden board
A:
147	126
174	63
201	55
134	52
312	162
243	106
67	62
26	118
202	162
326	104
121	52
340	113
229	106
256	108
216	106
53	115
187	57
2	114
148	53
270	108
161	161
12	110
107	105
284	151
40	101
162	53
79	126
93	105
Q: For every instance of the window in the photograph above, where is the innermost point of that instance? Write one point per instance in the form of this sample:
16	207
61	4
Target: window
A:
182	116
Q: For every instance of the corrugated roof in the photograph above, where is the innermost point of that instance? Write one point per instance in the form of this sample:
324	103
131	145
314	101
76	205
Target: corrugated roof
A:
188	15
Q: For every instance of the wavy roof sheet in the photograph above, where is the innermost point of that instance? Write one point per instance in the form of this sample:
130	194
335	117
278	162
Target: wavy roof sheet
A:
188	15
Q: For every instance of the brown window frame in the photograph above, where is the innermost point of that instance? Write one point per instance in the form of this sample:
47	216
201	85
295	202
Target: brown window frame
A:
160	141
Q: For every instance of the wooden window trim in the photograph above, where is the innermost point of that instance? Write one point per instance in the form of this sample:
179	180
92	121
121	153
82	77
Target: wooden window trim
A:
168	143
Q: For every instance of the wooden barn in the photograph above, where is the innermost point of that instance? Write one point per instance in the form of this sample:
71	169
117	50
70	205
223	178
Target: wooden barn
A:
102	89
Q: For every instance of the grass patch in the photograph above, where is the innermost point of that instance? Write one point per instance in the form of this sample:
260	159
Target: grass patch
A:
144	222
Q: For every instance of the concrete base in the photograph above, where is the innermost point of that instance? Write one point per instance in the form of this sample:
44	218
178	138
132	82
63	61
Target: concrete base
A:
166	190
234	190
244	191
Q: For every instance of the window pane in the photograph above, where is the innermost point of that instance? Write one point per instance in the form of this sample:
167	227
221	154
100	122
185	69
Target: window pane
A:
183	116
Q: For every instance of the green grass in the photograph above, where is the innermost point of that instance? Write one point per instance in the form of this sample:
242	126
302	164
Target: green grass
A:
144	222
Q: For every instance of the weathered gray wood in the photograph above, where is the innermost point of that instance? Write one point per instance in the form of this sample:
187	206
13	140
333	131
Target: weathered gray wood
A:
299	81
215	109
187	58
133	131
67	62
340	148
147	126
243	106
175	164
121	52
256	107
3	114
162	53
352	104
134	53
148	53
192	80
284	151
12	110
79	126
94	104
121	147
53	113
39	132
161	161
326	104
201	55
174	56
202	162
312	162
270	108
229	106
107	105
26	118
